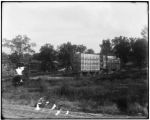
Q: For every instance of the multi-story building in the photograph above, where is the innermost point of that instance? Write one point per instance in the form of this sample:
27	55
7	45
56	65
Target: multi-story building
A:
94	63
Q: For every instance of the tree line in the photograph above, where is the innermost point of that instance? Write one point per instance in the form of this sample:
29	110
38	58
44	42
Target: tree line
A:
127	49
22	51
133	50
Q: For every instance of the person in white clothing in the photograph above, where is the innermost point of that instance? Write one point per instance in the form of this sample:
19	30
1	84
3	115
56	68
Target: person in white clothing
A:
19	70
18	80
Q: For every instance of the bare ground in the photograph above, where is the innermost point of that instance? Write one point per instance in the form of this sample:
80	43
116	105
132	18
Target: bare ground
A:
10	111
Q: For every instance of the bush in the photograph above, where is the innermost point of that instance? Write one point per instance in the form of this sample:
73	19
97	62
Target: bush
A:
38	85
109	109
134	108
66	91
122	104
17	81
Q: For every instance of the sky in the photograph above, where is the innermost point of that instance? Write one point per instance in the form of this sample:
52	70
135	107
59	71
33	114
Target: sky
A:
86	23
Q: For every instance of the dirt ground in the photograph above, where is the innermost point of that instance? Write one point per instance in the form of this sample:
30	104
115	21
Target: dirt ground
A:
10	111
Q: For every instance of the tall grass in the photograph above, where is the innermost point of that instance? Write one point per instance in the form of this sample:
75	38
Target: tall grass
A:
113	94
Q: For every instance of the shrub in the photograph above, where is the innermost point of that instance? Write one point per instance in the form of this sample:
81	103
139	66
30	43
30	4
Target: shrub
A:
109	109
37	85
16	81
122	104
66	91
134	108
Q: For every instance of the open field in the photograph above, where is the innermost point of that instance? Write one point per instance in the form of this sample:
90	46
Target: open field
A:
121	94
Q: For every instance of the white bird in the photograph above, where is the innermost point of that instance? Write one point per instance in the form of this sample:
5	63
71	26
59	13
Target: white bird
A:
58	112
54	106
37	106
41	98
47	102
67	112
21	80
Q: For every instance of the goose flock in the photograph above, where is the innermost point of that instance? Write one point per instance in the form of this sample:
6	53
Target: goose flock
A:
41	102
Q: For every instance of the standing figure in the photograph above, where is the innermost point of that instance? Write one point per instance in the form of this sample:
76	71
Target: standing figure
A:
18	80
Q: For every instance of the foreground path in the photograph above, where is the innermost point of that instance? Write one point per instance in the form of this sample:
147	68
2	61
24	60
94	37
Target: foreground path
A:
10	111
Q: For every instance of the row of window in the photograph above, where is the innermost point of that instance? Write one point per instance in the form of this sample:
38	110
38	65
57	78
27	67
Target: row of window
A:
89	69
90	59
91	56
89	63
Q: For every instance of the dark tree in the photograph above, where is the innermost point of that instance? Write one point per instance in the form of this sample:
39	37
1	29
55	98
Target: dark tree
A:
5	58
15	58
121	48
90	51
27	58
66	53
140	51
36	56
131	57
144	33
106	49
80	48
47	55
19	46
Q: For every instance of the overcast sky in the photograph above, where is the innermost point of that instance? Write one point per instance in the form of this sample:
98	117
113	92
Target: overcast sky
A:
86	23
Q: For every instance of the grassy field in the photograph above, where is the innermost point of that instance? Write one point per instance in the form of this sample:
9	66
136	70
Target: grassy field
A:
121	93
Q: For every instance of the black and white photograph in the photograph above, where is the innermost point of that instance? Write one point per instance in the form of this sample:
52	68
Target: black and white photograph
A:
74	60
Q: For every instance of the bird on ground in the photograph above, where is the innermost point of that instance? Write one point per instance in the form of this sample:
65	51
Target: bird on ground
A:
67	112
37	106
45	105
58	112
47	102
42	100
53	107
21	80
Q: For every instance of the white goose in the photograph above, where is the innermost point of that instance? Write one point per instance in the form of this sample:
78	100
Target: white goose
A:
47	102
58	112
21	80
53	107
67	112
37	106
